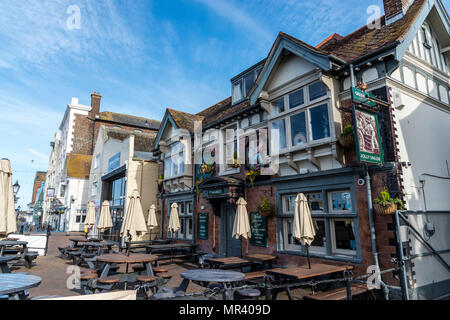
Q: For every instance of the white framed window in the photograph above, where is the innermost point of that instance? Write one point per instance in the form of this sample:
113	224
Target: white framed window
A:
230	147
97	161
80	216
335	232
174	161
94	189
185	214
242	85
300	118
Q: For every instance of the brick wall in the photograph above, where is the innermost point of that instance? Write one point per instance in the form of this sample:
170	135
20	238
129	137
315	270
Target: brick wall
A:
82	142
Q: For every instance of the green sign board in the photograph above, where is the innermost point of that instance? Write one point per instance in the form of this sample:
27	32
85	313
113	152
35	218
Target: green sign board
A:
202	226
258	228
359	96
369	148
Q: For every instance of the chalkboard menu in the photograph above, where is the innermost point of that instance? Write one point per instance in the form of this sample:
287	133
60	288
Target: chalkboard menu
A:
202	226
258	227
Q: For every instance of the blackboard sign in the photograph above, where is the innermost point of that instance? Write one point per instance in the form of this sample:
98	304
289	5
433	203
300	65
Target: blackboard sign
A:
258	227
202	226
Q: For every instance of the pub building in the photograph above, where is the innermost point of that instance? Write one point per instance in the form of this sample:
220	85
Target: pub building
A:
286	115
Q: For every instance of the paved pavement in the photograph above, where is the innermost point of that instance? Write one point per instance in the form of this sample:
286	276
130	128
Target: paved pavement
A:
52	269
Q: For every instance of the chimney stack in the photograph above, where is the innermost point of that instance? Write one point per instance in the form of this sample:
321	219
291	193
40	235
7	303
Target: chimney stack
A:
396	9
95	104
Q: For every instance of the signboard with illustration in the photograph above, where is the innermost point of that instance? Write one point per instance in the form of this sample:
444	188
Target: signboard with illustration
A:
202	226
114	162
258	228
367	137
362	97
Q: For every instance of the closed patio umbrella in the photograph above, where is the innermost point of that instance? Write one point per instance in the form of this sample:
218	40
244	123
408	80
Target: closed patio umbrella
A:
90	217
134	221
7	213
104	220
241	226
174	221
152	221
303	227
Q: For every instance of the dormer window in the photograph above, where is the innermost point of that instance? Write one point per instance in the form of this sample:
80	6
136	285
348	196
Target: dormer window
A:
242	85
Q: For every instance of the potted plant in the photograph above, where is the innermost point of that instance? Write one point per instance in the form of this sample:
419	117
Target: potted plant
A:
265	208
346	139
385	205
252	174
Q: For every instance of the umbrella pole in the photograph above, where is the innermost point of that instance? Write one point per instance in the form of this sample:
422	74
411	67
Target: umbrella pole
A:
307	254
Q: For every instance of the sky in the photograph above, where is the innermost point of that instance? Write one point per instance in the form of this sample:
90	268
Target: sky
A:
141	55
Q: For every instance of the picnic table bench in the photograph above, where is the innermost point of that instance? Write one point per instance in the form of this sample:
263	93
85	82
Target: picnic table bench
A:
298	275
134	246
19	250
339	293
172	251
254	261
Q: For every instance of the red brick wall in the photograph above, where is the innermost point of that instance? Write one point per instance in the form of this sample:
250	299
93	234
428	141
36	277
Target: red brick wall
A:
82	142
36	186
393	7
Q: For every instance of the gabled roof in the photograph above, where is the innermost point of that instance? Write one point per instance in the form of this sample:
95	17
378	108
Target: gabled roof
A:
128	120
78	165
184	120
364	40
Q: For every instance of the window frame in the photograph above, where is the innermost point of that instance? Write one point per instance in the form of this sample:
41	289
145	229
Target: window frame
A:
330	251
184	217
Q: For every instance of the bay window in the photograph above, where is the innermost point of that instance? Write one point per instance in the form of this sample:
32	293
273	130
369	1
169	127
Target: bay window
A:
301	119
334	219
174	161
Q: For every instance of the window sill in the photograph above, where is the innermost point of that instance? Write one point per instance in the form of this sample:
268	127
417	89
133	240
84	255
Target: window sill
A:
229	172
322	256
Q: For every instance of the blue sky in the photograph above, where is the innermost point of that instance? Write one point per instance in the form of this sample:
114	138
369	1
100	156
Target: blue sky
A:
141	55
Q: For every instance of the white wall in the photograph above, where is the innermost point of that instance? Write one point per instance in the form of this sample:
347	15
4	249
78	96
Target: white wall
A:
289	68
423	136
78	188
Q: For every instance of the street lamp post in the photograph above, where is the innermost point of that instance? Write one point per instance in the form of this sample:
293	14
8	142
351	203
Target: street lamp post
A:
16	187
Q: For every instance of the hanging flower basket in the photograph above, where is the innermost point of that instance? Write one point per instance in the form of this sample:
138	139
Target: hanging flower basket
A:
347	140
385	210
265	208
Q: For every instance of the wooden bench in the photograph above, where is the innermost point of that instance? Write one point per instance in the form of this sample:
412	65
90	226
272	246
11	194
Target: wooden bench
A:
255	275
339	293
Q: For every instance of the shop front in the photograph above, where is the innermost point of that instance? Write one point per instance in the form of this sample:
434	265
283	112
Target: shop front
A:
114	190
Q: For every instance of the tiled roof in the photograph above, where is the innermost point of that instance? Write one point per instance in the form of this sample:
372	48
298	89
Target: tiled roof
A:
129	120
184	120
364	40
143	141
78	165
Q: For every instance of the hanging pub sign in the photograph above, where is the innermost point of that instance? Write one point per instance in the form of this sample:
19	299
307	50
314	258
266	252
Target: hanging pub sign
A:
367	137
202	226
361	97
258	228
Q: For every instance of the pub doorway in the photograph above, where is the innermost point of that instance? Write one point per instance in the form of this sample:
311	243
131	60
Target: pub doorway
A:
229	246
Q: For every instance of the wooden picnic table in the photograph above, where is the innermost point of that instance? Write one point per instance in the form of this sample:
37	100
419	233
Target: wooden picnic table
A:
4	268
8	243
203	277
252	260
75	241
171	248
229	262
15	284
120	258
295	274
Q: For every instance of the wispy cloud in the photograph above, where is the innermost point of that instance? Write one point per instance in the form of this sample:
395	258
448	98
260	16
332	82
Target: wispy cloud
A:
240	19
40	155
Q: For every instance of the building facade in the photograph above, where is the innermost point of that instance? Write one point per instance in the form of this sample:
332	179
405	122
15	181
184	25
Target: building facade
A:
281	127
123	161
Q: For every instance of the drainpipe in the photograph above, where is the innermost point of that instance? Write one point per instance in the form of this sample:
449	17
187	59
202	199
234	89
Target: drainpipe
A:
352	76
384	287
